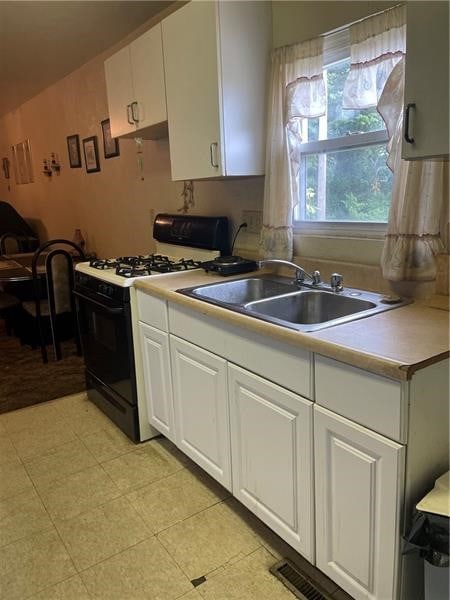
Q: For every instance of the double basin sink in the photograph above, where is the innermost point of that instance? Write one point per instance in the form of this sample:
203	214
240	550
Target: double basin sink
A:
284	302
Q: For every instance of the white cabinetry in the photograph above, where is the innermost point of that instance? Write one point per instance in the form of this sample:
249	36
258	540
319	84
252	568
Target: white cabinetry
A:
215	60
201	408
427	80
359	492
157	380
271	444
135	88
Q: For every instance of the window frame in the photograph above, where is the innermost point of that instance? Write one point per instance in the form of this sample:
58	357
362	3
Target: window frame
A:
336	49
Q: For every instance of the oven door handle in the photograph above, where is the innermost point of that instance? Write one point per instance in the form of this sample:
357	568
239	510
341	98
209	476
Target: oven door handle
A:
111	310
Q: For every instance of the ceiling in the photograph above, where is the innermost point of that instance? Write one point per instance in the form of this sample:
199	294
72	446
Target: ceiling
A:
42	41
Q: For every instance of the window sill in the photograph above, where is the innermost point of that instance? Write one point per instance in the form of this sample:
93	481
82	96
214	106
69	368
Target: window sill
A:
341	230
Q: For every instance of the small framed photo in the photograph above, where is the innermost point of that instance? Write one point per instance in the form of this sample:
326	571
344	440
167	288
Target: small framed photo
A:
91	159
110	144
73	148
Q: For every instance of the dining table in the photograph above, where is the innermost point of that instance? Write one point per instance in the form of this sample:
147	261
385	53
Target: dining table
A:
17	267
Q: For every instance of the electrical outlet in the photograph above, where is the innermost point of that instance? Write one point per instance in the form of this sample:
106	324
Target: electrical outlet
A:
253	218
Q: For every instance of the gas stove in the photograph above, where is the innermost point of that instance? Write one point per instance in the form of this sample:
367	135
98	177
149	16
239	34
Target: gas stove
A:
124	270
108	313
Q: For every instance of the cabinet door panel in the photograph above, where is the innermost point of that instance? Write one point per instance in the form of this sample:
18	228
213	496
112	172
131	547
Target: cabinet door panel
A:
120	92
157	380
192	86
271	433
148	77
359	484
427	68
201	408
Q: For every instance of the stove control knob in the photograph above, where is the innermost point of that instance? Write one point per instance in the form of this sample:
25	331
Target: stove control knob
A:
106	290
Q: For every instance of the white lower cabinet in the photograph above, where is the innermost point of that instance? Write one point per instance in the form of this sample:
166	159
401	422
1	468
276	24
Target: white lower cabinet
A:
271	445
359	478
157	380
201	408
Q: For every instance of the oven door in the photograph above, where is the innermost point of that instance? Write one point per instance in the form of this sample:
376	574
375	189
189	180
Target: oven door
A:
107	343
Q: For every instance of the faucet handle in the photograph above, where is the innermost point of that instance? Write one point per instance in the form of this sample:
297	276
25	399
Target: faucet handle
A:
337	282
316	279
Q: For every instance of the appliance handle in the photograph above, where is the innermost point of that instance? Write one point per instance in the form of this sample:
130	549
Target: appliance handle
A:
113	311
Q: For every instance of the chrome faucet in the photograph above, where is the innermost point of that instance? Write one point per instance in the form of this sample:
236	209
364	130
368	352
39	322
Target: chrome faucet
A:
300	272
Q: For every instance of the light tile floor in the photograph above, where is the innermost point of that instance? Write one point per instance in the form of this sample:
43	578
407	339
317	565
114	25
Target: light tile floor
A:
85	513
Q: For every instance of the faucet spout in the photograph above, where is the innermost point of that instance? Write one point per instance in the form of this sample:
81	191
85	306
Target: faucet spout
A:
300	272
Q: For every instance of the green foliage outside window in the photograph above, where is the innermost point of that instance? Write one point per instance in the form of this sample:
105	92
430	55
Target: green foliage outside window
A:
358	182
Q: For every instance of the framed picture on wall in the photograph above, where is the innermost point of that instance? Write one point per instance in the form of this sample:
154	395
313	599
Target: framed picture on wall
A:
73	148
110	144
91	159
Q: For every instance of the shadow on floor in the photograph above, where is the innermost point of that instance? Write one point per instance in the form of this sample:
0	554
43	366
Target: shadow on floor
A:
26	380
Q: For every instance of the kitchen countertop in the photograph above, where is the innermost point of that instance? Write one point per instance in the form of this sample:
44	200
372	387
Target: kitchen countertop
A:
395	343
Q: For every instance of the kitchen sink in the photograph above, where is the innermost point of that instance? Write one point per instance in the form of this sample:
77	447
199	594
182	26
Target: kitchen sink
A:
309	307
282	301
242	291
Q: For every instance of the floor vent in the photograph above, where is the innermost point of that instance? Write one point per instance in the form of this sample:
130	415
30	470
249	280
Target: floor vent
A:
288	574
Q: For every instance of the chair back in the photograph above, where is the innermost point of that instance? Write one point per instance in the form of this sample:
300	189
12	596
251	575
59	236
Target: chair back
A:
59	283
13	243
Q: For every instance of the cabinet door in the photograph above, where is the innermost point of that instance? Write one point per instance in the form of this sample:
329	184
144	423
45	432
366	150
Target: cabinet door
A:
359	486
148	78
427	79
157	380
119	89
201	408
271	444
192	86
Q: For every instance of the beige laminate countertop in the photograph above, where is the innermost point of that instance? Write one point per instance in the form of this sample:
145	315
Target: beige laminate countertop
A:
395	343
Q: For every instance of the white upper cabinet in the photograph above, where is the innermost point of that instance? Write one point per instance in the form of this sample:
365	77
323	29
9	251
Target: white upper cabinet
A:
215	60
427	81
135	88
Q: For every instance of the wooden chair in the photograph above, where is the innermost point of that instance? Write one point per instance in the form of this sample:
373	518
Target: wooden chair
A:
53	307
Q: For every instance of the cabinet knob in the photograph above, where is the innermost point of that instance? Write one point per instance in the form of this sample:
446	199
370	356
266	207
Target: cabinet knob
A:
406	133
213	154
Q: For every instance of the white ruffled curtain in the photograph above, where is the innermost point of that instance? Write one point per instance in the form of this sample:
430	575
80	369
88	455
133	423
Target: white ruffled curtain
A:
420	188
418	213
297	90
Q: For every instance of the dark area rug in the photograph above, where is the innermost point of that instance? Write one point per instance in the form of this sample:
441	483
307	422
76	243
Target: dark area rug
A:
26	380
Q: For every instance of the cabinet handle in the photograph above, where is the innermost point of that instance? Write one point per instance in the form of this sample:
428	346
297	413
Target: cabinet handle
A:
408	138
135	115
130	121
213	147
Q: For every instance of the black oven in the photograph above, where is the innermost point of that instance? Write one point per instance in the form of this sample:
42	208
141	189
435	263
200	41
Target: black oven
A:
104	317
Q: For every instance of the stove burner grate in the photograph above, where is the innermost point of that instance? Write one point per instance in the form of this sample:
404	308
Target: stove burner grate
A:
138	266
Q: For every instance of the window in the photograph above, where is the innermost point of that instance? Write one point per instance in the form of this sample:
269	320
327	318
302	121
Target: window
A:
343	176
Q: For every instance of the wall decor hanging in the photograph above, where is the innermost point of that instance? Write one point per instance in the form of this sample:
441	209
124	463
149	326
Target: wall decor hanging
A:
5	165
91	159
110	144
23	169
51	165
73	148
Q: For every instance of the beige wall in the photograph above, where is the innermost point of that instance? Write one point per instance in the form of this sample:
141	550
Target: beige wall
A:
112	207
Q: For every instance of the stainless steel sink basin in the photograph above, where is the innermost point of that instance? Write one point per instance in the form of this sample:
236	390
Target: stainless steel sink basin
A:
309	307
282	301
242	291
